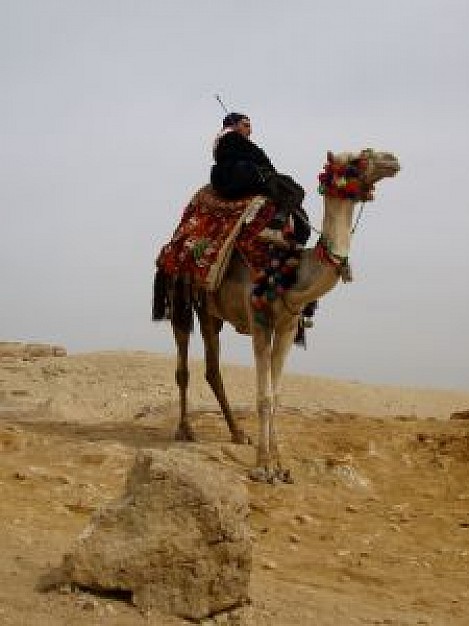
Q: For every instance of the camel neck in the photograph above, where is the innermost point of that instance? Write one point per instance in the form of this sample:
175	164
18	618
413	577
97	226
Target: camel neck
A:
315	278
337	225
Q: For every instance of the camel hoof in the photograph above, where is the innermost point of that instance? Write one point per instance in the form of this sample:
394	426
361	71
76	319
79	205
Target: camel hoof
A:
284	476
185	434
271	477
259	475
241	437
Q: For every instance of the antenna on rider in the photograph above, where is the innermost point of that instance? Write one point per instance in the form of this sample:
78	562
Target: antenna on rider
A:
222	104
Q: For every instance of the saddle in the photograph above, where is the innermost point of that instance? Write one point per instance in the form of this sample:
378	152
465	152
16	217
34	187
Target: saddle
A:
211	228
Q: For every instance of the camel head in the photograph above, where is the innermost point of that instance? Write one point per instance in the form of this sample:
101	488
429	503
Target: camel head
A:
353	175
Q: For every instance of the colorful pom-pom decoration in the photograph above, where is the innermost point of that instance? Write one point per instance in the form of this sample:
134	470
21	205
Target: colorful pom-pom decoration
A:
344	181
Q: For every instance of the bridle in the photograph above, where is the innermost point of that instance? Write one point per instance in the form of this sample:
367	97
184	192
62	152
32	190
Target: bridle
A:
342	181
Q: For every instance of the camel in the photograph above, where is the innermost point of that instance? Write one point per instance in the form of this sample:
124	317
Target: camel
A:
348	180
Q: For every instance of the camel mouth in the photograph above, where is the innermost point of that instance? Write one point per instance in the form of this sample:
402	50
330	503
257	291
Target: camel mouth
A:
392	168
386	167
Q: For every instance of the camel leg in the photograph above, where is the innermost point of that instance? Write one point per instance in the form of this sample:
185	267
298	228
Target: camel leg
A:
282	343
210	328
261	339
184	431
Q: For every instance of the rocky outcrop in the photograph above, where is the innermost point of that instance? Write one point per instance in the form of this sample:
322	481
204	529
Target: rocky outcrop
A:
460	415
177	540
25	351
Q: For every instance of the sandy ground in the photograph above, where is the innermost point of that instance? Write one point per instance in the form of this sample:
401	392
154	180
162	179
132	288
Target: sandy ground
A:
375	529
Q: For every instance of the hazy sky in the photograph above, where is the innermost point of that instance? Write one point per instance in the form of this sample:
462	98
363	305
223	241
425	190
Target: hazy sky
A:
107	117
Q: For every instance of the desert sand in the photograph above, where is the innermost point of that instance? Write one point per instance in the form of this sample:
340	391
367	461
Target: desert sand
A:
374	530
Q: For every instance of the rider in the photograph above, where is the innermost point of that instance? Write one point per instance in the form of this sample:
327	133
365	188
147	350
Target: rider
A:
242	168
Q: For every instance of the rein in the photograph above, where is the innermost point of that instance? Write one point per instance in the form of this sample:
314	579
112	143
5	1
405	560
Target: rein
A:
354	227
358	218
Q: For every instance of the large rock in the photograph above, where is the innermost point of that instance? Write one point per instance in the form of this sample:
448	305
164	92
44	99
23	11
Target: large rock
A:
177	540
35	350
19	350
460	415
11	349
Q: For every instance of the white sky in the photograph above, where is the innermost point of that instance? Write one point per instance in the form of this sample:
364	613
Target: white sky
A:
107	117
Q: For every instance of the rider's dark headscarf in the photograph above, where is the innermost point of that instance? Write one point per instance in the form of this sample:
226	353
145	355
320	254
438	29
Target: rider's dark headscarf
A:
233	118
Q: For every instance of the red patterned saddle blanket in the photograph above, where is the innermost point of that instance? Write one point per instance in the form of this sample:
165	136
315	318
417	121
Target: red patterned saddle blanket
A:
209	230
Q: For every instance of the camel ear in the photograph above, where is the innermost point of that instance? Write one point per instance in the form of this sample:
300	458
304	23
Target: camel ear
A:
330	156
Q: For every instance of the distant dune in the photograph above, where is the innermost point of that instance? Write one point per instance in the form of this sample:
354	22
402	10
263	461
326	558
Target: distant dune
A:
102	380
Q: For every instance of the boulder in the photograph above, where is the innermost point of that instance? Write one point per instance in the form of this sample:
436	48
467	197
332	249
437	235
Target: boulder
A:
177	540
11	349
37	350
460	415
19	350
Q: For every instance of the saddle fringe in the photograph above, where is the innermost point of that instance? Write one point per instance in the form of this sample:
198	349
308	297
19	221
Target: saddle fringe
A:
160	303
173	300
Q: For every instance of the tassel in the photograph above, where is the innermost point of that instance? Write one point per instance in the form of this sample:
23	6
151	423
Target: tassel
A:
160	309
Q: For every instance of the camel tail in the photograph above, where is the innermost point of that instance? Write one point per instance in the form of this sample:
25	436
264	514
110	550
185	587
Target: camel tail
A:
172	300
